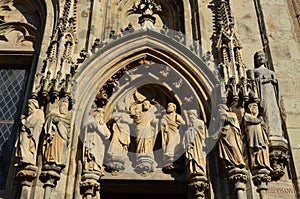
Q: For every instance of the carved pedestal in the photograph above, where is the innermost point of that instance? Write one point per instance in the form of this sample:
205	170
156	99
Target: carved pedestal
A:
278	157
116	164
49	176
261	179
239	177
90	185
25	176
144	164
198	184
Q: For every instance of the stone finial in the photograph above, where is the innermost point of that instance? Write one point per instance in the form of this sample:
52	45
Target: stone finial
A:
147	8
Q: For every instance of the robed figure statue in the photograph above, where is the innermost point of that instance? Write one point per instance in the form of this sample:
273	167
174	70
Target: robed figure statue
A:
269	95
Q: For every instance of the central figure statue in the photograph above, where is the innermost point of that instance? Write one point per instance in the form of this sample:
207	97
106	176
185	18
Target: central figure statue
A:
146	129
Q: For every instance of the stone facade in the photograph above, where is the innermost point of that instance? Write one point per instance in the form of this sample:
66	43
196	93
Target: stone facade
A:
149	98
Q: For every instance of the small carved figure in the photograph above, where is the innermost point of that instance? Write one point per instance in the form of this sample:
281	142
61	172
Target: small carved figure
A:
31	128
57	133
94	147
230	146
170	135
269	95
257	139
146	129
193	143
121	138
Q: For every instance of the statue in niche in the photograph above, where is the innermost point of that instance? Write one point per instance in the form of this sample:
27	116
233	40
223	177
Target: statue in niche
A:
193	143
57	134
96	132
257	139
31	128
146	130
269	95
170	136
230	146
120	141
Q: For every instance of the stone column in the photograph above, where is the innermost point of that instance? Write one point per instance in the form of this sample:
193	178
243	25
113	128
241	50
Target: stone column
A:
198	184
239	177
261	179
90	185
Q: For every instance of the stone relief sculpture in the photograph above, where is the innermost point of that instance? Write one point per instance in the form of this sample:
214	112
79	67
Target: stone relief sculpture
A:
120	141
257	138
170	123
230	146
146	130
31	128
194	144
57	134
96	132
15	28
269	95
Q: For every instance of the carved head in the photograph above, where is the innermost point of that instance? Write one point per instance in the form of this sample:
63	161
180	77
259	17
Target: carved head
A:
259	59
32	106
192	114
253	109
171	107
63	105
146	105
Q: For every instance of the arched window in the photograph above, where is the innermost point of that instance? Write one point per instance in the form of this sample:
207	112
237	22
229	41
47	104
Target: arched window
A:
20	32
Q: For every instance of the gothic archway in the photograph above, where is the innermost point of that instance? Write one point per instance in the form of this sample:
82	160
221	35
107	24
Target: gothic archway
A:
142	66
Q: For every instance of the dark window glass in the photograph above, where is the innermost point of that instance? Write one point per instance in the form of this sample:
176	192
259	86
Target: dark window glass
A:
12	87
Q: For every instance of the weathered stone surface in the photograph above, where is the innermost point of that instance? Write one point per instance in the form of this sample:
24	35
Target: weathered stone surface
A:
51	38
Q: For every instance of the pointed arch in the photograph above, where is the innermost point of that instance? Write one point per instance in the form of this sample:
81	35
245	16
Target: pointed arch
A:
100	67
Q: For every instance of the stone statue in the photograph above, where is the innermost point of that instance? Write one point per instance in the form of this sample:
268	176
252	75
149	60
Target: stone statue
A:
57	134
257	139
170	123
146	130
269	95
120	141
96	132
193	143
230	146
31	128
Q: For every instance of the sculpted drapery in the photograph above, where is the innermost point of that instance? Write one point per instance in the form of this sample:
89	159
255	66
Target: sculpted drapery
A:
96	132
57	134
26	146
193	143
257	139
121	132
269	95
146	129
170	123
230	146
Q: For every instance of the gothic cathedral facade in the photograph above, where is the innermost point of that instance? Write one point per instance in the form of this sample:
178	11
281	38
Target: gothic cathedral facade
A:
149	99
